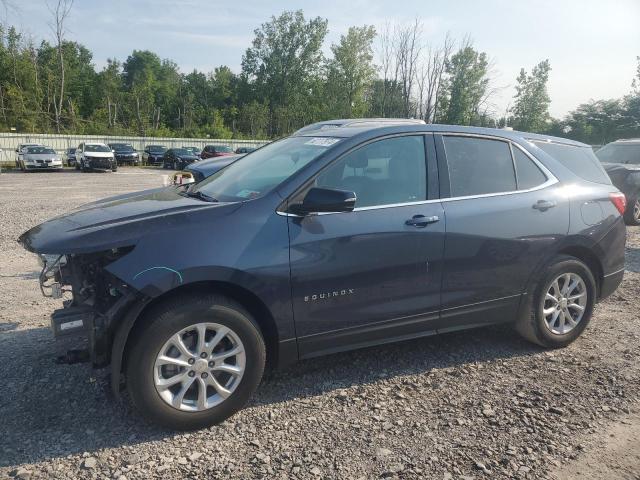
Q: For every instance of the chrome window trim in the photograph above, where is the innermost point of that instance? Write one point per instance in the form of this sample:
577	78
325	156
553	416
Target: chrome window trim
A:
551	180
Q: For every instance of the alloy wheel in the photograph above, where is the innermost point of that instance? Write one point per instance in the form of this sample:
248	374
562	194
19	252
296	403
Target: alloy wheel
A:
636	211
199	367
564	303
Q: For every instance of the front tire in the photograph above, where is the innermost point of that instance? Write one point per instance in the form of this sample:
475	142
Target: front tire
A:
562	304
632	215
194	362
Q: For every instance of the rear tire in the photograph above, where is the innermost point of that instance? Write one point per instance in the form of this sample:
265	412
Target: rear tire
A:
632	214
181	317
547	323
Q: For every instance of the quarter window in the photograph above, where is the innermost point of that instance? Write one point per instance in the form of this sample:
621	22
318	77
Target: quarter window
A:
479	166
528	173
385	172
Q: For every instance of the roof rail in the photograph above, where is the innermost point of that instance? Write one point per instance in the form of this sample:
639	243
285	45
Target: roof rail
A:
355	122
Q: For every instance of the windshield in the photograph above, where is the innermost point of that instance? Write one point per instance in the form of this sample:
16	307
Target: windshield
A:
222	149
40	150
157	148
181	151
261	171
96	148
620	153
580	160
122	147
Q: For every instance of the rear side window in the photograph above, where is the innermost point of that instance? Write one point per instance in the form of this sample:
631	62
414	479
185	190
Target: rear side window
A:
527	172
479	166
580	160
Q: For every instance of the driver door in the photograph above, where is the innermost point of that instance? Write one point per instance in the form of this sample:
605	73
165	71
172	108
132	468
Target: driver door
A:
371	275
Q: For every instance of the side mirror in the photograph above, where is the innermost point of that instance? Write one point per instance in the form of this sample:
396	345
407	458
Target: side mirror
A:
324	200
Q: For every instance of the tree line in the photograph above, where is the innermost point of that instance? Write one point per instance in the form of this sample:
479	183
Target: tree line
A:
285	82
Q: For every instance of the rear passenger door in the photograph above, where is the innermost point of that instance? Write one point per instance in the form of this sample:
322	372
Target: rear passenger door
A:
505	214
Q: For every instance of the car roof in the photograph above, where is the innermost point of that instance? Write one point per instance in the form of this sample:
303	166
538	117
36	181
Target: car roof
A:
348	130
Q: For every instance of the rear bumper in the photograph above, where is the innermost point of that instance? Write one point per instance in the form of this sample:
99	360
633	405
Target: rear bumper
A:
610	283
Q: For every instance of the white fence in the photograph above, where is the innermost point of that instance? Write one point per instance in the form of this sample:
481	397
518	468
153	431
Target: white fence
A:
10	141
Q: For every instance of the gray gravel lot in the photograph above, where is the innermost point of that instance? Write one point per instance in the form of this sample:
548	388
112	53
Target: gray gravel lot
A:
473	404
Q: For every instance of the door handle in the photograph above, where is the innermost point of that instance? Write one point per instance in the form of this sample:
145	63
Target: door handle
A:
544	205
420	221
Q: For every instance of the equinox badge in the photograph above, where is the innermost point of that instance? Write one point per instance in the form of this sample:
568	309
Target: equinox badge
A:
327	295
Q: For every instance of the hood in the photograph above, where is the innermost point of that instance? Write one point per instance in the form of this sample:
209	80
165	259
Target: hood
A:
108	154
41	156
211	166
121	221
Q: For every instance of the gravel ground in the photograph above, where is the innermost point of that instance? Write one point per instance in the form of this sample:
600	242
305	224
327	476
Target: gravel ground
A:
473	404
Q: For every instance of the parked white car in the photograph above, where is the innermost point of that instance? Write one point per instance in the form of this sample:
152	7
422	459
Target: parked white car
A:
39	157
20	152
95	156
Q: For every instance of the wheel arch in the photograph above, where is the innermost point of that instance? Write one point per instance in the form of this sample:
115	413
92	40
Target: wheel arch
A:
589	258
255	306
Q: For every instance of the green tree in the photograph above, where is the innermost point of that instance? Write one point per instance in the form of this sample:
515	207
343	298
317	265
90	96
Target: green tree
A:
531	106
285	56
465	89
351	72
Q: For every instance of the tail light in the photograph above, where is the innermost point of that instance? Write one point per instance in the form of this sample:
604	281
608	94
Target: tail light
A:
619	201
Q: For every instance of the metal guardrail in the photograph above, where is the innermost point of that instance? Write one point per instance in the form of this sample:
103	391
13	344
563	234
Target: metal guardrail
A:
10	141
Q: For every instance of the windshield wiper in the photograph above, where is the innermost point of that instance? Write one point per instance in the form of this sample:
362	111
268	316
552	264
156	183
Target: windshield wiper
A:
200	196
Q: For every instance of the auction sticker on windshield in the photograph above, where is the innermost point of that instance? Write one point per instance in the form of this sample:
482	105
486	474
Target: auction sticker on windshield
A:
322	141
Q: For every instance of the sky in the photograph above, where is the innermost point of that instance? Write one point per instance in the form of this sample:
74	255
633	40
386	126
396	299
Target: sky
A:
592	44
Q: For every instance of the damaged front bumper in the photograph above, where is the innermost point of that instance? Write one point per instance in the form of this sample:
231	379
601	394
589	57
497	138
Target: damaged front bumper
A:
98	300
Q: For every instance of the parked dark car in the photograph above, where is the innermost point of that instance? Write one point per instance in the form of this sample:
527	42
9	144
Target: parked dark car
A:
195	150
211	151
621	160
153	154
245	150
70	157
178	158
205	168
330	241
125	154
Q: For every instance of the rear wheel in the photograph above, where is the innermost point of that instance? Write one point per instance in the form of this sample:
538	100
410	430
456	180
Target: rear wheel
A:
195	362
632	214
562	304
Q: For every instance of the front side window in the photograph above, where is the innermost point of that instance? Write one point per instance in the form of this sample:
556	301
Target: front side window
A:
385	172
479	166
255	175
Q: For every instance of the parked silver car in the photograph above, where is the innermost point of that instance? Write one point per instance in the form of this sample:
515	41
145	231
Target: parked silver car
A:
20	149
39	158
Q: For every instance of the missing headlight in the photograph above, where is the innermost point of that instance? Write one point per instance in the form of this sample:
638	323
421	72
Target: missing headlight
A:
51	274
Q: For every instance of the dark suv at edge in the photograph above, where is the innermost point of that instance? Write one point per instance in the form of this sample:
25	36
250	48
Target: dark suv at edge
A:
329	241
621	160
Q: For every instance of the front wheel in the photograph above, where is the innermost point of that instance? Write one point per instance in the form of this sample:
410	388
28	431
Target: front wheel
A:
195	361
632	215
562	304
